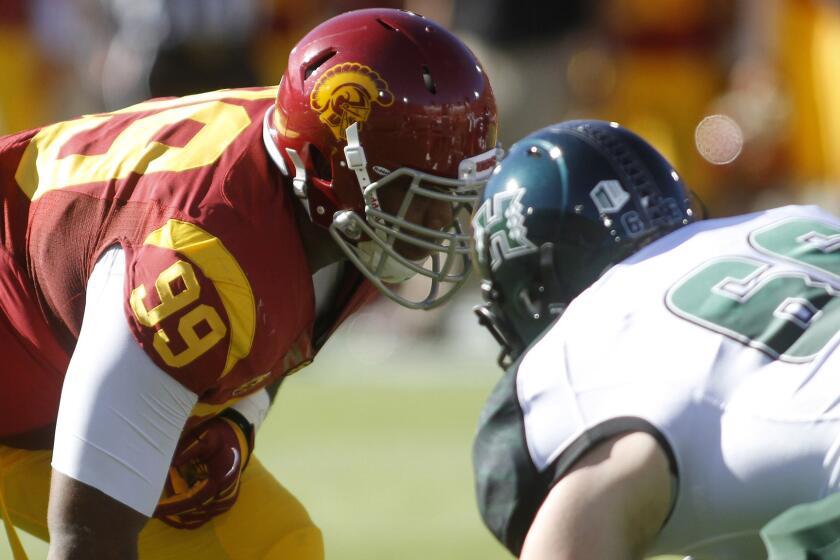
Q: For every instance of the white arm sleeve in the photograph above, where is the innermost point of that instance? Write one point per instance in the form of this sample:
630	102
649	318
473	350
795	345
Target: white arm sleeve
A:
120	415
254	408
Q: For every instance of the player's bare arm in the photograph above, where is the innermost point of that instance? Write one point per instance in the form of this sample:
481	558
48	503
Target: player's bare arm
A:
85	523
610	505
118	424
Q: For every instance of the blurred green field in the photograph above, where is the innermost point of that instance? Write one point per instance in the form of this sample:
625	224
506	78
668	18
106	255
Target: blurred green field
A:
377	446
387	473
383	468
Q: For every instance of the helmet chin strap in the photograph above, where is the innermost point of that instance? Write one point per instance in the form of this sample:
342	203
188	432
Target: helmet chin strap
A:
354	155
299	181
386	269
551	299
491	317
372	260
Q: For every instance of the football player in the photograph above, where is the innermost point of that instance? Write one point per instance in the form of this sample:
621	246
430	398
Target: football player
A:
164	266
671	382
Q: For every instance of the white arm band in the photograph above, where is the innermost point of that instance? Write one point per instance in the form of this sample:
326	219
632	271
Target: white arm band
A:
120	415
254	408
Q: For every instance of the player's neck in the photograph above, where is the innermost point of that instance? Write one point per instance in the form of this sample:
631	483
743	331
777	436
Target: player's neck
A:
318	245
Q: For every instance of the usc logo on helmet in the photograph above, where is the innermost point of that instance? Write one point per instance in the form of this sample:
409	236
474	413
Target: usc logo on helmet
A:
345	94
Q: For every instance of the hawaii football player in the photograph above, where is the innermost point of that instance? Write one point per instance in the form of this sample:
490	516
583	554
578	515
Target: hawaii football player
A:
164	266
671	383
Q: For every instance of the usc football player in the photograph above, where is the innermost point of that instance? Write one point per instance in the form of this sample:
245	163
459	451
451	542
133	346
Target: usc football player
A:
164	266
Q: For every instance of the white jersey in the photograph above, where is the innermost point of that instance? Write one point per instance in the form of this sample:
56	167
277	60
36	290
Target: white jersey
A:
718	339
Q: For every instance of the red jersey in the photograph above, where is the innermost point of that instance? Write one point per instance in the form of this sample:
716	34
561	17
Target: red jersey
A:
218	290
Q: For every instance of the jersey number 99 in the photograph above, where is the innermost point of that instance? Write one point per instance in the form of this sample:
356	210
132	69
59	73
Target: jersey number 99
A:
183	275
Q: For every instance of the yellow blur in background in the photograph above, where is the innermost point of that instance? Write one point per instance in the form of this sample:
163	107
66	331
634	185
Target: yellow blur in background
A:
378	447
656	66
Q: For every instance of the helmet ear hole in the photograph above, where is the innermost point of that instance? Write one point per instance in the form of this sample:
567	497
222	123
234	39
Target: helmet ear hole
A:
317	63
386	25
428	81
321	165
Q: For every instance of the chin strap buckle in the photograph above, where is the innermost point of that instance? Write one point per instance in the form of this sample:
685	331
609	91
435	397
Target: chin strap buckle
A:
354	155
299	185
299	180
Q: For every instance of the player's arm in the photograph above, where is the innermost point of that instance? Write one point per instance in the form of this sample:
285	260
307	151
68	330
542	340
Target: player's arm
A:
118	424
87	523
609	506
219	449
207	467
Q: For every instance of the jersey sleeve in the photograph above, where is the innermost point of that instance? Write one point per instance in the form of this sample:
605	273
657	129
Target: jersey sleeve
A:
509	489
513	475
189	305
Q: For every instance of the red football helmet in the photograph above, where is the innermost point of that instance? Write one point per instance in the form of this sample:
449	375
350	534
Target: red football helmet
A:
386	99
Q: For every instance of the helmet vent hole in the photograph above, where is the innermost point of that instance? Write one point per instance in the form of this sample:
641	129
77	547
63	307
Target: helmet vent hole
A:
321	165
428	81
317	63
387	25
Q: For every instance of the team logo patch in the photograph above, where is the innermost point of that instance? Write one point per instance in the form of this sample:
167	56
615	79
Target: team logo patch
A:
500	223
345	94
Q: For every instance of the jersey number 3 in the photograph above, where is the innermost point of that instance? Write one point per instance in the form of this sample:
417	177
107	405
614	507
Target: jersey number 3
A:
784	312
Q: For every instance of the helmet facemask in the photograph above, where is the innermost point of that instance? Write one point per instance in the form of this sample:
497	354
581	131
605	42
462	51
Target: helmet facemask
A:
532	300
383	241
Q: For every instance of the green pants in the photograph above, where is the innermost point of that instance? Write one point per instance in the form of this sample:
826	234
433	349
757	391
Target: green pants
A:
805	532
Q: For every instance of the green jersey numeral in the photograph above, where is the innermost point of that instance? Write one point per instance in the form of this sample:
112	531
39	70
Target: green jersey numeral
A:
787	314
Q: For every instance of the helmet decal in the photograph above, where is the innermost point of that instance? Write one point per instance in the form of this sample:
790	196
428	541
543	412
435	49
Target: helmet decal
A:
609	197
345	94
500	221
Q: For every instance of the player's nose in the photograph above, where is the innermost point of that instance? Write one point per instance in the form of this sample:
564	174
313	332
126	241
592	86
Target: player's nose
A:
438	215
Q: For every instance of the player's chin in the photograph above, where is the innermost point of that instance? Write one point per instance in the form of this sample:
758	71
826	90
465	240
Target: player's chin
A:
411	251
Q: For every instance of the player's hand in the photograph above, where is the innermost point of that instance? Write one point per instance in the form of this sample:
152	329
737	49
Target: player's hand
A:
206	470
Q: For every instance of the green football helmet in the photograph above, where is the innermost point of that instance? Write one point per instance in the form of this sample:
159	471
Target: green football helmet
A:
568	202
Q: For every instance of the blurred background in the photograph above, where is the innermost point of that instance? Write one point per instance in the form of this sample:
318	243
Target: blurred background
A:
742	96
